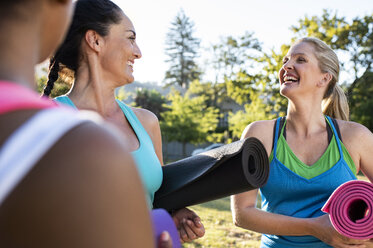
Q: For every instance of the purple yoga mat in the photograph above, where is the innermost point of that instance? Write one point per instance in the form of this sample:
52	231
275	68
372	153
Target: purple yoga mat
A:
350	208
162	221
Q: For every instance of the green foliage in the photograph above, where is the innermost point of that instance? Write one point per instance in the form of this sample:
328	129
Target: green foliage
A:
361	101
189	119
60	87
151	100
244	87
234	54
220	230
328	27
354	38
181	49
123	95
271	63
254	111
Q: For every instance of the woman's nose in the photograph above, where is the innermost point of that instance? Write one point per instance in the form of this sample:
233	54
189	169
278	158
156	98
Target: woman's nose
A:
288	65
137	52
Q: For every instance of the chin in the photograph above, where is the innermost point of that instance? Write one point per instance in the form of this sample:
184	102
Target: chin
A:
285	91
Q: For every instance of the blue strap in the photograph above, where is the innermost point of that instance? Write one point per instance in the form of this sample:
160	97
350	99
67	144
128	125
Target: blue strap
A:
276	136
336	137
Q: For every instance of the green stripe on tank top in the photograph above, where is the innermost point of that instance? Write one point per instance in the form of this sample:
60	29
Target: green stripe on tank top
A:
330	157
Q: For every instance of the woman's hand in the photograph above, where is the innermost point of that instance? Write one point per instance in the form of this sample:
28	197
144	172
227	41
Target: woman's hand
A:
324	230
369	243
188	224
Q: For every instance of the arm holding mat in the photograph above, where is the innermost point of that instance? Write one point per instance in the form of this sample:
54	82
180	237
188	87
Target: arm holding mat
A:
234	168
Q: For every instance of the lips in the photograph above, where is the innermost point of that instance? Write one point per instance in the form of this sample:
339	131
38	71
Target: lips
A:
289	79
130	63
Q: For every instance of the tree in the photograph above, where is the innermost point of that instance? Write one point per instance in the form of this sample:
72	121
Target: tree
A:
181	49
188	120
234	54
361	101
151	100
254	111
354	39
61	86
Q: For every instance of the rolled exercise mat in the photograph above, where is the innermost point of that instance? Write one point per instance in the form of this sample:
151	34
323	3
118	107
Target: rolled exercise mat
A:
350	209
162	221
230	169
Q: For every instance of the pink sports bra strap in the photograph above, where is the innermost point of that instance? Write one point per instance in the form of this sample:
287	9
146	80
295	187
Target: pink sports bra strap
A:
16	97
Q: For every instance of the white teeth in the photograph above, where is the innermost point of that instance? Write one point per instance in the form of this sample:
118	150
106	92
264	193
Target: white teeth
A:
290	78
130	63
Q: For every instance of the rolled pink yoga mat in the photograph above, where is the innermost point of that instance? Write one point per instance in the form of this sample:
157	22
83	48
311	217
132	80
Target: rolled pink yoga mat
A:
162	221
350	208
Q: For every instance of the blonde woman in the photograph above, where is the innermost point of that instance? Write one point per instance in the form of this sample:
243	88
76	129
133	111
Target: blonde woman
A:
311	154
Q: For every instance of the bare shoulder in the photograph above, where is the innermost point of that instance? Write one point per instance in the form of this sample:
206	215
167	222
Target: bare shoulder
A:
353	132
146	117
258	129
262	130
149	121
88	168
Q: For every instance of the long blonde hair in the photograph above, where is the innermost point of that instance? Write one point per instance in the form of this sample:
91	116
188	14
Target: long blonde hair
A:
334	103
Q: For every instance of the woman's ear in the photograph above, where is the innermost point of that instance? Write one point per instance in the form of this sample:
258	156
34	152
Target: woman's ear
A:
325	80
93	40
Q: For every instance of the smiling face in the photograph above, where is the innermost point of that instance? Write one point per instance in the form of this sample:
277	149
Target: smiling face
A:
300	73
120	52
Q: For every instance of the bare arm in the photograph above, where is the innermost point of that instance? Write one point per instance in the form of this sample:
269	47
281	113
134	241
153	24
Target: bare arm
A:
188	222
364	138
151	124
246	215
84	193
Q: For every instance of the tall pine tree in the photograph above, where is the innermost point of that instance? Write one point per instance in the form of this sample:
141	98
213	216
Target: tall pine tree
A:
182	50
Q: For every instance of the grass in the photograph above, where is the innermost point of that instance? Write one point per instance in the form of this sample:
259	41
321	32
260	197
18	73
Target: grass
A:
220	230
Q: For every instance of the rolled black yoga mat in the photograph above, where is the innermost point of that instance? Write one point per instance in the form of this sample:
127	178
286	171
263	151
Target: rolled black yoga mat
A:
230	169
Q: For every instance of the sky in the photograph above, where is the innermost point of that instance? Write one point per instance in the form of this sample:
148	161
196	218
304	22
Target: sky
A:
269	20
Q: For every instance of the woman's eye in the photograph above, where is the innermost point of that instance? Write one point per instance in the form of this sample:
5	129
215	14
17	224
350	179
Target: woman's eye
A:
300	59
284	61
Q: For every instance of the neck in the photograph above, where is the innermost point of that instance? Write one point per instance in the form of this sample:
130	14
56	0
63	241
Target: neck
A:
305	117
91	91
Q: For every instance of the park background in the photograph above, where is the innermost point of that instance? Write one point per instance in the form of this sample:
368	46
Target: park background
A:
209	68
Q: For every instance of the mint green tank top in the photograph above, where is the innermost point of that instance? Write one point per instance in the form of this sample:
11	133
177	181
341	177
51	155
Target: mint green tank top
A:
146	159
330	157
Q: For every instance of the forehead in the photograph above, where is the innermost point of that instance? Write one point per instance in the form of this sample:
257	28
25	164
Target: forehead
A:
301	48
126	23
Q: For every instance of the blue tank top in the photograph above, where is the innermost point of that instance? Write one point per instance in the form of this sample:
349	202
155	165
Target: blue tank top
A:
289	194
146	159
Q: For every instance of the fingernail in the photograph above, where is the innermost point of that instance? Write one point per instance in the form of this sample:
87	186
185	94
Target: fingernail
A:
165	236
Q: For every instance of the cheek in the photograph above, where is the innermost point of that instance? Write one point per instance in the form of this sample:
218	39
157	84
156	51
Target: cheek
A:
280	74
112	59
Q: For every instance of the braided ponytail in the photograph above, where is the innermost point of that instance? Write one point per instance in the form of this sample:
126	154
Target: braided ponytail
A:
95	15
54	68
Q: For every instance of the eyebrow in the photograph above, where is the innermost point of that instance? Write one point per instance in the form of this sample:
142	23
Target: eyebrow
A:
296	54
129	30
